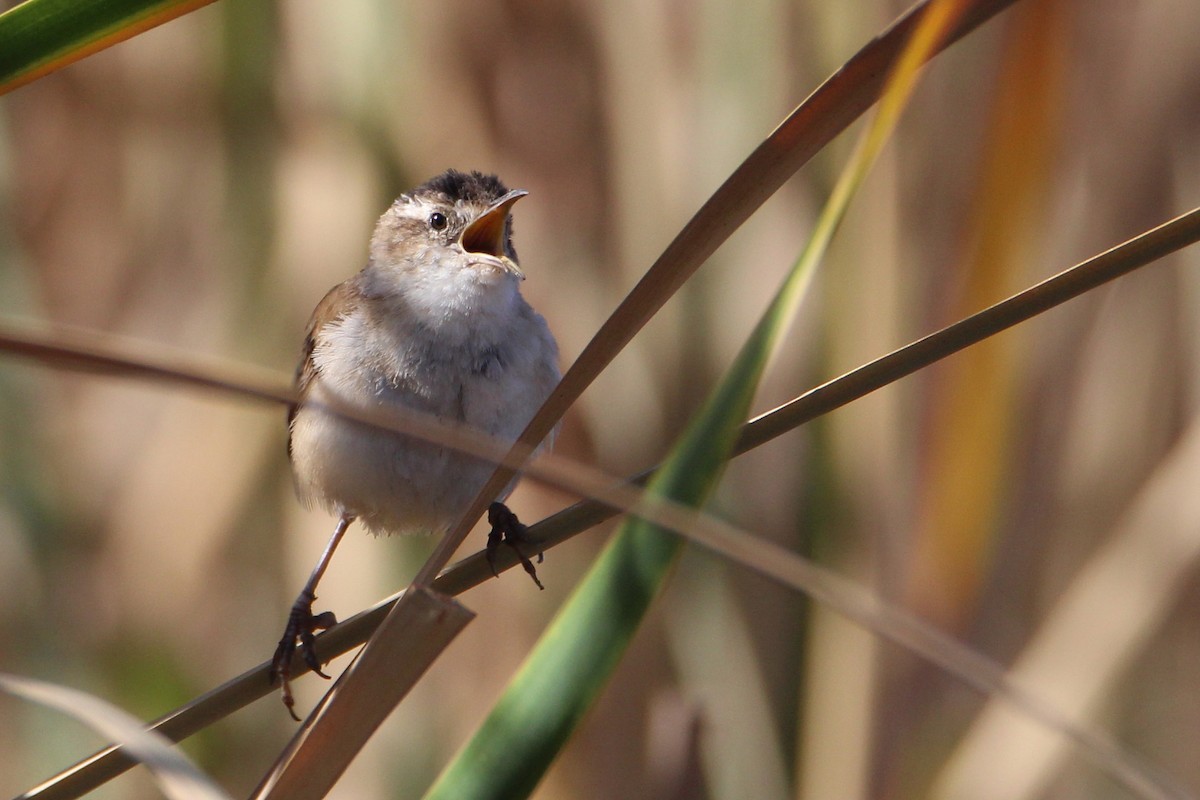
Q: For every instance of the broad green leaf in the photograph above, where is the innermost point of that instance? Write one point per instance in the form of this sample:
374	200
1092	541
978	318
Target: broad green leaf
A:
38	37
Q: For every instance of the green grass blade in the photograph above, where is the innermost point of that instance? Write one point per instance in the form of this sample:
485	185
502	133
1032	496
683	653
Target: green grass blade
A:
40	36
576	655
572	662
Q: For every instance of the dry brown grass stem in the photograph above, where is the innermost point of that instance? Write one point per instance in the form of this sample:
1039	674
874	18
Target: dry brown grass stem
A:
252	685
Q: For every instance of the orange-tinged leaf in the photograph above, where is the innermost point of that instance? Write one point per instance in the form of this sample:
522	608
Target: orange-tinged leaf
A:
964	475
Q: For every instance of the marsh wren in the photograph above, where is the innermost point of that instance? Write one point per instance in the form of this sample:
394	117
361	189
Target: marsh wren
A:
434	323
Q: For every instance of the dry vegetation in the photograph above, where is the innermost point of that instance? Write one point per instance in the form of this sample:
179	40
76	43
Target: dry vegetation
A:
202	185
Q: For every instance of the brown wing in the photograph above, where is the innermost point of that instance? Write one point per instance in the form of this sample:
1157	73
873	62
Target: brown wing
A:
338	302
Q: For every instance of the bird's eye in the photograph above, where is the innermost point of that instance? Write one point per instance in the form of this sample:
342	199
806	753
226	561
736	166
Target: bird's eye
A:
437	221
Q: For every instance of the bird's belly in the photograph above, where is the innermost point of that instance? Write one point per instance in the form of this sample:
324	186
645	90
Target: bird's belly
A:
395	483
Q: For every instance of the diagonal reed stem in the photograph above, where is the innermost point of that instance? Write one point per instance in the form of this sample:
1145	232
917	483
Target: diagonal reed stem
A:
1131	255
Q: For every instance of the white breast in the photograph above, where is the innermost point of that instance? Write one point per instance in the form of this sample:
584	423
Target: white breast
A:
489	371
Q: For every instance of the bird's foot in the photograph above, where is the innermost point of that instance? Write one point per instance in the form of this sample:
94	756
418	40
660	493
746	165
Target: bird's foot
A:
300	632
508	530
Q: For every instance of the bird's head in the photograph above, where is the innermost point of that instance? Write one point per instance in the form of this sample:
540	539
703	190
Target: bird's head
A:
457	222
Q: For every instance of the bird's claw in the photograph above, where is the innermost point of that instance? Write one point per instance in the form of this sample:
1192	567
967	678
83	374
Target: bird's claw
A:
510	531
302	626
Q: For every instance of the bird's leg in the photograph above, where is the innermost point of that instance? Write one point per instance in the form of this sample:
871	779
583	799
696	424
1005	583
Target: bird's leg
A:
302	624
508	530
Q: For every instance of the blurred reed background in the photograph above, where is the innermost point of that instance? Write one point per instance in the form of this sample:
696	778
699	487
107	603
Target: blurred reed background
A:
203	184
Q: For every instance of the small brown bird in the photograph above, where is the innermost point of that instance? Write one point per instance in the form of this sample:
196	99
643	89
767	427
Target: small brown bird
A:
434	323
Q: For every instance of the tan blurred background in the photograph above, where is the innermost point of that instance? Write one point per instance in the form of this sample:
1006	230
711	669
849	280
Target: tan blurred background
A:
202	185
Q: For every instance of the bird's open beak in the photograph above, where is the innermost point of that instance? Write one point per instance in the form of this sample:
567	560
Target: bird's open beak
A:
485	234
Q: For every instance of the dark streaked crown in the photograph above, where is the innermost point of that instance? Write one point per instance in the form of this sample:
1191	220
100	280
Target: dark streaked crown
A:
454	186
